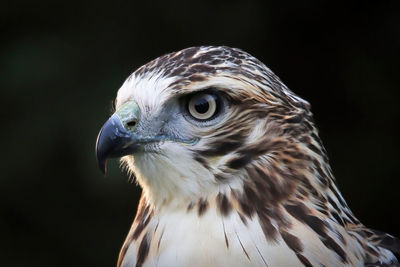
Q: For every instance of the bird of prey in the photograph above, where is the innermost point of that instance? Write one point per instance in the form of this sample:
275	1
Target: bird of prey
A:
232	169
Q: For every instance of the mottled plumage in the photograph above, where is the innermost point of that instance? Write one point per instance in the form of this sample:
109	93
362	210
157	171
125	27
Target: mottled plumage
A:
249	186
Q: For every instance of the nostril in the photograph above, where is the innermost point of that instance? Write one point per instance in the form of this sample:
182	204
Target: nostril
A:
131	123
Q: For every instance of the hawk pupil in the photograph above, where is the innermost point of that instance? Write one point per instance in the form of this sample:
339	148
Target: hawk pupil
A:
201	105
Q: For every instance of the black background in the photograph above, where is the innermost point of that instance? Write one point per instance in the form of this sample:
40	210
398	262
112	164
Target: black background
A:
62	63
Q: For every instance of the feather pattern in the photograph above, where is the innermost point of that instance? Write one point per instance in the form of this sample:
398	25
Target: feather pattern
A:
255	190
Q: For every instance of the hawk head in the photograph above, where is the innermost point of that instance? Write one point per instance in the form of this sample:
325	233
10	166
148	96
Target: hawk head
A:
189	125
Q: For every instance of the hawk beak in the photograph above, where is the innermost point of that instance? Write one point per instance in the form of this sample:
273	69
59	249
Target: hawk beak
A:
117	137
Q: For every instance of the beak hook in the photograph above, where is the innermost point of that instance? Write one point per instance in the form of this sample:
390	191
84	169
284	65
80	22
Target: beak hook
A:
114	141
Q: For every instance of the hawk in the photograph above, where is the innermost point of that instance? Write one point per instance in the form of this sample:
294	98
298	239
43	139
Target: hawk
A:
232	169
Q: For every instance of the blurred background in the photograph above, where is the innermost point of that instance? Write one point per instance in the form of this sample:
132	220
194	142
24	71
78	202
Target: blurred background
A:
62	63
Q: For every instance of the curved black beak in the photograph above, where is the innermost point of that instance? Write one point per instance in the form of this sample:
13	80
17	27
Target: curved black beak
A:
114	141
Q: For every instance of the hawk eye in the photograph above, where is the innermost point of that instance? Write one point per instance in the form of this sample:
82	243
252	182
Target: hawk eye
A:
203	106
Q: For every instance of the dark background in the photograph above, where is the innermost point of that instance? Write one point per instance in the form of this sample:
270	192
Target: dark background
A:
62	64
